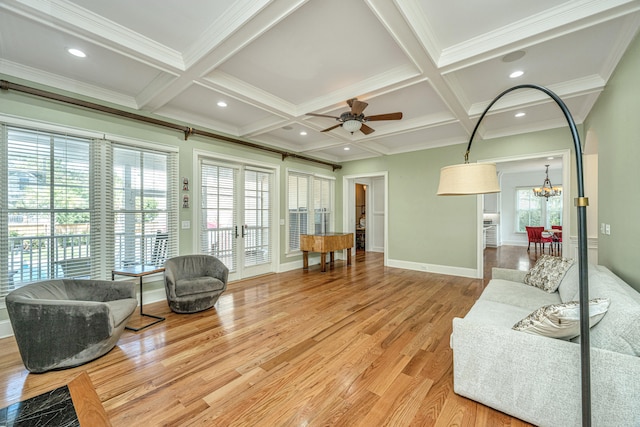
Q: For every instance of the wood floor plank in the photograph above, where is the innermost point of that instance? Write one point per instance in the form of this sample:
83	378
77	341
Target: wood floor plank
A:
356	346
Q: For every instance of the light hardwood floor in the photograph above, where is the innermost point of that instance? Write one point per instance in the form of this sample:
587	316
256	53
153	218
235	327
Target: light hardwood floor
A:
363	345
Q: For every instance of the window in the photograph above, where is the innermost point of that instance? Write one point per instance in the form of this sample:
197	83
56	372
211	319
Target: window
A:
47	210
141	206
305	192
532	210
78	207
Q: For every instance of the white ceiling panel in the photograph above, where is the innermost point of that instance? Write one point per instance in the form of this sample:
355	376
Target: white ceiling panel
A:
456	21
102	67
590	49
438	62
176	25
301	58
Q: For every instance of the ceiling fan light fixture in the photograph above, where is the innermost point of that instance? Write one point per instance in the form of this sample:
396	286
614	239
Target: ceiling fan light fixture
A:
352	125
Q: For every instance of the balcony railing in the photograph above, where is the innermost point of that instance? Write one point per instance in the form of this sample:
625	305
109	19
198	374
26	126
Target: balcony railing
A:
33	258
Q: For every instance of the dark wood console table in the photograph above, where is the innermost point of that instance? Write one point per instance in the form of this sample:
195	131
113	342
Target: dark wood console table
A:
325	243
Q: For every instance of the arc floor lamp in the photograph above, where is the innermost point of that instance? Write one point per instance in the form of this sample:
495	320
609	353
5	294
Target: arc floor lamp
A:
480	178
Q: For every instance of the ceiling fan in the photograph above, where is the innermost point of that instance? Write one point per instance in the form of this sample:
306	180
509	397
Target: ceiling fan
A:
354	120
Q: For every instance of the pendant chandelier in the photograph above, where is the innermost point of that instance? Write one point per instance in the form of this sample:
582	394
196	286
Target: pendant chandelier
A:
547	190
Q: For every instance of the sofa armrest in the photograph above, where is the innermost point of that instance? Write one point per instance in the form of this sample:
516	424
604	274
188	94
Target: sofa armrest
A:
538	379
508	274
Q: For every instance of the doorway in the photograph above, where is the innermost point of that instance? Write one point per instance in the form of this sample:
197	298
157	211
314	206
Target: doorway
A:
522	163
236	216
361	216
365	213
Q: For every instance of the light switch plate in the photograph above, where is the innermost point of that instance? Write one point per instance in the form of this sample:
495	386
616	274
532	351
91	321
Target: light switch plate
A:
186	225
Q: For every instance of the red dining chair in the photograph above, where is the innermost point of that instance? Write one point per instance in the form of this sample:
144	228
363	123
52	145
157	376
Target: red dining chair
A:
557	237
534	234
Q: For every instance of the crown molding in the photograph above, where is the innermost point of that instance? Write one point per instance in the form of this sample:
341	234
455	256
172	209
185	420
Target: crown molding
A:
69	85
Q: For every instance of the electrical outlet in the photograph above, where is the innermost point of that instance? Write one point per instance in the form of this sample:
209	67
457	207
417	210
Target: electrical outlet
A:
607	230
186	225
602	228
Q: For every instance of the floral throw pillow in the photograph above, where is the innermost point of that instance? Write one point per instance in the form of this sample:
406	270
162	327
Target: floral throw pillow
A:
548	272
562	321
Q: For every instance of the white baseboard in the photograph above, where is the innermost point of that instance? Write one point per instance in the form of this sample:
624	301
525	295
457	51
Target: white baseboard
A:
433	268
514	243
5	329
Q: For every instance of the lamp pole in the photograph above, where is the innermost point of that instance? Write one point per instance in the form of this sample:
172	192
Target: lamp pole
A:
581	203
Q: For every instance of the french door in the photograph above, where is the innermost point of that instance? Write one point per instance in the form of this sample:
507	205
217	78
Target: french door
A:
236	218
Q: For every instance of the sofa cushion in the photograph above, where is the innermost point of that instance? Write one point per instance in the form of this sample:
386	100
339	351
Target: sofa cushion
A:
196	285
121	310
548	272
569	284
495	313
518	295
618	331
561	321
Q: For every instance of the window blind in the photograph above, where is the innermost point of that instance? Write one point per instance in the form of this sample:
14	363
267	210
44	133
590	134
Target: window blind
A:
218	186
46	206
67	202
306	192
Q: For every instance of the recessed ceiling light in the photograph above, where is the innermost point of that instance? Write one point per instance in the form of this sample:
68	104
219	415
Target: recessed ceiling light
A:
521	114
516	74
347	148
222	104
550	158
303	133
77	52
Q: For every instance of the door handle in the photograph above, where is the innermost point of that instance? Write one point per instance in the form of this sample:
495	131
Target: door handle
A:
243	233
236	231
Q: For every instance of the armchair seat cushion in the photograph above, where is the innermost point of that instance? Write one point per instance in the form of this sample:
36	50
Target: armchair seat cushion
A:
196	285
121	310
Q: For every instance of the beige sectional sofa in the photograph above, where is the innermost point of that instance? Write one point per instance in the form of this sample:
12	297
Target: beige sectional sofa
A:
537	378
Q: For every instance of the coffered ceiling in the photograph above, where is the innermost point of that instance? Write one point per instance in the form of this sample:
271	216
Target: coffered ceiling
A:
272	62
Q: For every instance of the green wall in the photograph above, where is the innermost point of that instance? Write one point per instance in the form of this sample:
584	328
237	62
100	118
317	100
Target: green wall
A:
429	229
615	122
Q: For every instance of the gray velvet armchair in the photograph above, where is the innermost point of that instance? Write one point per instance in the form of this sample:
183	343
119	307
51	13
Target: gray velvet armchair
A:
67	322
194	282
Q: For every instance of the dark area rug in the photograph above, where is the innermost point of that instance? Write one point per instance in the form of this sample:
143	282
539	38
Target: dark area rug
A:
54	408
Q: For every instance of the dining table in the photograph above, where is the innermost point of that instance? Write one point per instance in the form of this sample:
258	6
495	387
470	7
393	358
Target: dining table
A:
556	242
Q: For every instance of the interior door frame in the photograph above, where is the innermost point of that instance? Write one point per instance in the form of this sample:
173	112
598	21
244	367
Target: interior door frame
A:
349	202
233	161
566	198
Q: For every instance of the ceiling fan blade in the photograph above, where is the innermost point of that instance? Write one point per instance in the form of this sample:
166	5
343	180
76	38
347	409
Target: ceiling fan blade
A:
322	115
350	101
357	107
388	116
332	127
366	129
